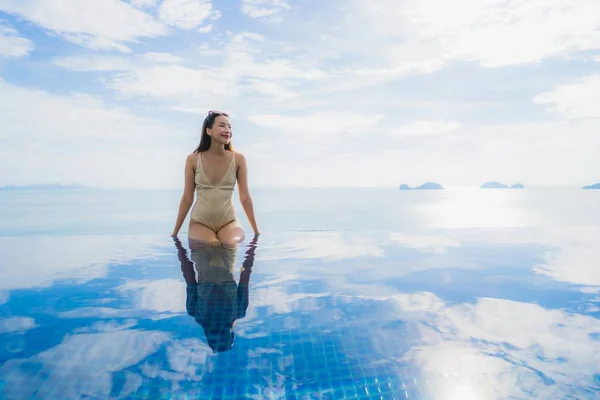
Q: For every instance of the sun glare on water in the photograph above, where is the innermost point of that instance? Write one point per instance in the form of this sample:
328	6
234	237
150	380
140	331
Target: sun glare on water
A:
462	392
475	208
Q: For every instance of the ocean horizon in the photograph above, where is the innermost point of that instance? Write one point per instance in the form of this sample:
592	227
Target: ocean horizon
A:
80	186
99	211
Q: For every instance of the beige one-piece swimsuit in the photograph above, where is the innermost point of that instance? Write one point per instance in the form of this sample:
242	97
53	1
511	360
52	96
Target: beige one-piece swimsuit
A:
214	206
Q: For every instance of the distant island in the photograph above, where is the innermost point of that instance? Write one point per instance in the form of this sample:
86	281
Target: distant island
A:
498	185
50	186
425	186
594	186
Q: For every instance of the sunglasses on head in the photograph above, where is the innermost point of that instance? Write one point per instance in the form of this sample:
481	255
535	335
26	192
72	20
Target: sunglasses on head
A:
216	113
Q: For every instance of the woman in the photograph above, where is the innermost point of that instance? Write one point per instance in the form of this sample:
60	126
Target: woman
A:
213	170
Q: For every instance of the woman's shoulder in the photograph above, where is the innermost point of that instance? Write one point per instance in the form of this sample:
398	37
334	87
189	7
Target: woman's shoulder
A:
239	157
192	157
191	161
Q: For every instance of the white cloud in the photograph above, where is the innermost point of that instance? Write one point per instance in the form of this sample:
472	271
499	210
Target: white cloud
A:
307	252
16	324
94	63
171	81
144	3
269	88
80	258
459	348
573	263
185	14
166	58
530	153
466	351
571	251
574	100
107	63
545	153
96	43
323	245
318	126
426	128
434	243
278	301
263	8
12	44
469	342
569	255
492	33
83	365
47	124
99	312
273	69
163	295
37	114
107	326
573	257
284	82
206	29
98	24
236	71
187	359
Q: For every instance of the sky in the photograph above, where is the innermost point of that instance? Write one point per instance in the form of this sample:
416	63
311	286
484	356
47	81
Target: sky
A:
111	93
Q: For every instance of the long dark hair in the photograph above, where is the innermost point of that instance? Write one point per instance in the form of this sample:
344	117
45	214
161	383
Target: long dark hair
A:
208	123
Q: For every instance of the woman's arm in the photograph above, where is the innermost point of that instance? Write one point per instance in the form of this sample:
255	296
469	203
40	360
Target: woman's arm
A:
187	266
245	198
187	199
191	287
244	281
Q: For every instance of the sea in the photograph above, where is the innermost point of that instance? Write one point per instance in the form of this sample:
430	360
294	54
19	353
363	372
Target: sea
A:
347	293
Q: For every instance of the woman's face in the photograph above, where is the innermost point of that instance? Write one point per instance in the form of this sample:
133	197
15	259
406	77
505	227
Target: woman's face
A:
221	130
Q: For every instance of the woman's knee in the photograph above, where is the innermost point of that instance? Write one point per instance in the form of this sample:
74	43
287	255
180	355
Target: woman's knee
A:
232	241
232	237
202	235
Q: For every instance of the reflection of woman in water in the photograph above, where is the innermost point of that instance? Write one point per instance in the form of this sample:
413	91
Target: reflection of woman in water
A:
212	171
213	298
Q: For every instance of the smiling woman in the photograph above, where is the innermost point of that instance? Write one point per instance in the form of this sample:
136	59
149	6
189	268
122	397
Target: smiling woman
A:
213	170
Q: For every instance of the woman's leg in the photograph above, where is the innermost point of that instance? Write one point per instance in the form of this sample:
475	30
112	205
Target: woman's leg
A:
200	233
231	234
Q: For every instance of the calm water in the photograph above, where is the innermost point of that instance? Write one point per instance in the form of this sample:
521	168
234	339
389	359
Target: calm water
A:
282	210
371	294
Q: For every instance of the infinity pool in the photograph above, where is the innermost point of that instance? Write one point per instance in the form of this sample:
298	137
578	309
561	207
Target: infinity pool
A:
438	314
